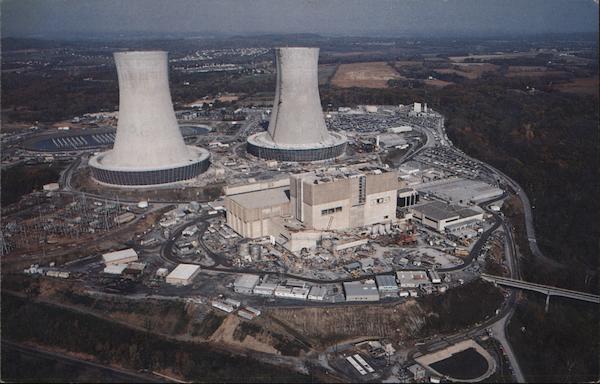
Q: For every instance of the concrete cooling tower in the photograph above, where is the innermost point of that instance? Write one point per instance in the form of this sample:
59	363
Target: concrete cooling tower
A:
149	148
297	130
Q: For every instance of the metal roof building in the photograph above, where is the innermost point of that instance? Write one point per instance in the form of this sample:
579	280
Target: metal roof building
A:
120	257
386	283
439	215
245	283
361	291
183	274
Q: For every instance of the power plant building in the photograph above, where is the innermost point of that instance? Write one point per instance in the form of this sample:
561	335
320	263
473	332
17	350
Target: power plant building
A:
297	211
149	149
440	216
342	198
297	130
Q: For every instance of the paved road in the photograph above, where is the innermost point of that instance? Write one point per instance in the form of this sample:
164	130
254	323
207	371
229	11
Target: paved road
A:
545	289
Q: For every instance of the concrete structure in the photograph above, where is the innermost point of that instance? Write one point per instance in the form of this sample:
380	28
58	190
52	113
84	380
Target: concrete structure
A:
297	211
120	257
245	283
407	197
250	214
361	291
342	198
149	148
545	289
183	274
297	130
417	371
438	215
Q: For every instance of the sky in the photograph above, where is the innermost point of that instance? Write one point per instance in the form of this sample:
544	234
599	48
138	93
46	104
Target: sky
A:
72	18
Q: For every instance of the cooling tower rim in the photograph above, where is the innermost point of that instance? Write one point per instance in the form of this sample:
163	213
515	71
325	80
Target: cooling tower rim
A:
200	155
264	139
298	48
143	53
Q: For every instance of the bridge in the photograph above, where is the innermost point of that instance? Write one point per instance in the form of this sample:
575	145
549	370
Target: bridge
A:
545	289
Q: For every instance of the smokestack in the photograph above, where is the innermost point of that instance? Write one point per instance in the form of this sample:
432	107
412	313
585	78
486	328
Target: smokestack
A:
297	130
149	148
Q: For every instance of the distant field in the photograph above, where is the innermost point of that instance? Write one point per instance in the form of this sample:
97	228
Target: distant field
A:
513	55
584	86
357	53
408	63
326	71
468	75
534	73
437	83
365	75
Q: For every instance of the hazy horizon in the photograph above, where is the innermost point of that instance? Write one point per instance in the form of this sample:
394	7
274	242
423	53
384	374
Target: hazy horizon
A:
436	18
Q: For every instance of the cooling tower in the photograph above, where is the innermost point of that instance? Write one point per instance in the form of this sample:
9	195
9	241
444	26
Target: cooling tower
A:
149	148
297	130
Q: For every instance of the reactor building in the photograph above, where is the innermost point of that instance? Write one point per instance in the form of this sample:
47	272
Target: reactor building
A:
149	149
297	130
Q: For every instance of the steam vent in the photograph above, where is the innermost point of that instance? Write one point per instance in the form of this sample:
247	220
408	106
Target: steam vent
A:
149	149
297	130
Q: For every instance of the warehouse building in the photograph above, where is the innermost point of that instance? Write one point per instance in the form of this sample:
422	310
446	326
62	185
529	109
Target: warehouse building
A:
411	279
245	283
457	190
386	284
183	274
120	257
361	291
438	215
115	269
317	293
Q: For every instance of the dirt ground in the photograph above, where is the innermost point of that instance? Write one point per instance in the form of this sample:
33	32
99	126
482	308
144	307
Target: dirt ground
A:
225	335
326	325
469	70
584	86
209	100
365	75
437	83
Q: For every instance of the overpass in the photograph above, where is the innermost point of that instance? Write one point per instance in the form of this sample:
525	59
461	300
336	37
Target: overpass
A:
545	289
